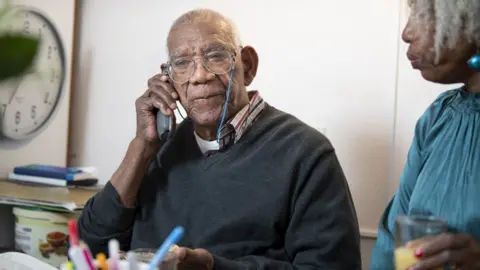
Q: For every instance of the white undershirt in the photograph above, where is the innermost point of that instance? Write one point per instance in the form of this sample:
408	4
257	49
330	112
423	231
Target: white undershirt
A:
205	145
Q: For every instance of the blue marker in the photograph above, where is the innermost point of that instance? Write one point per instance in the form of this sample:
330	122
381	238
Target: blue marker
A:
171	240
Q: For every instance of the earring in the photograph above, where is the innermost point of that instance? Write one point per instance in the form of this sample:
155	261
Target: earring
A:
474	61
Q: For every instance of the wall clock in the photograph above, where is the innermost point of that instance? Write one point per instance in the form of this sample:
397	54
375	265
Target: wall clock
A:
27	104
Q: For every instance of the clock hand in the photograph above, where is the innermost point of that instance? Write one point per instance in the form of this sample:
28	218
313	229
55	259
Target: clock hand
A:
14	92
19	83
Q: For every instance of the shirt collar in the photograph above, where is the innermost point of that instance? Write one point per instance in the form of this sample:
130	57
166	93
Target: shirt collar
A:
234	129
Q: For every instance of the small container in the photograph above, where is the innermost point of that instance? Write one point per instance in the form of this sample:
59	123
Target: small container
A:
42	234
409	234
144	255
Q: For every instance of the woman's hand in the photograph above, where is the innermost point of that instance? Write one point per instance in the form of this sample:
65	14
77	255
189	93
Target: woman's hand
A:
459	250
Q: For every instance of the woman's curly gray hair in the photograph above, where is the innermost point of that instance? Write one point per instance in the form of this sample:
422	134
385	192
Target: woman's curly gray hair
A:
453	18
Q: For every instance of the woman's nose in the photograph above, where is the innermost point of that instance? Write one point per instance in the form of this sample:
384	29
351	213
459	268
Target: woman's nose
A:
407	34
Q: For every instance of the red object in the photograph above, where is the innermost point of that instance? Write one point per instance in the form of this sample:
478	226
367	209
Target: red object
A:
73	232
418	254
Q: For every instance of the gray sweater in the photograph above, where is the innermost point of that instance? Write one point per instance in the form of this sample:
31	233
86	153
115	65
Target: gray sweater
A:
277	199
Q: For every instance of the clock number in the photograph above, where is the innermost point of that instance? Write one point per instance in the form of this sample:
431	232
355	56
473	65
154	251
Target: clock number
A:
45	99
33	112
49	55
17	117
26	26
52	76
40	32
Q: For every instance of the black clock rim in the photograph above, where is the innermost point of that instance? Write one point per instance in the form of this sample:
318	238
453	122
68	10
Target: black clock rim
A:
45	123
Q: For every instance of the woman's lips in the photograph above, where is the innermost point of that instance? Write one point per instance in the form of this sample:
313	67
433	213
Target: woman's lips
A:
415	61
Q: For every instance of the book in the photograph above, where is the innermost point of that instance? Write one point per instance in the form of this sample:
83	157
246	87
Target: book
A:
50	171
21	178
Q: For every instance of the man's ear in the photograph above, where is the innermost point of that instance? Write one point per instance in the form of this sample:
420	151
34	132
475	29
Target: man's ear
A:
250	64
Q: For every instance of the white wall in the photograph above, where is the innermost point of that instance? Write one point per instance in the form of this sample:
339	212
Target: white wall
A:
327	62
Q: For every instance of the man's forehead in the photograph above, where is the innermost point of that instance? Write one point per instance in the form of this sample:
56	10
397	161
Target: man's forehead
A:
199	37
199	47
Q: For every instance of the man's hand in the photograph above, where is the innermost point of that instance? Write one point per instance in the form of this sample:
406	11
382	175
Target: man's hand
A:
145	145
459	250
160	95
194	259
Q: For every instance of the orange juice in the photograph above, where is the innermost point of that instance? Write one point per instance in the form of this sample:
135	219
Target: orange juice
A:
405	257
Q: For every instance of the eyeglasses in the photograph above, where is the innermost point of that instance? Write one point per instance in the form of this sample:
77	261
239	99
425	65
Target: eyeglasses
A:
181	69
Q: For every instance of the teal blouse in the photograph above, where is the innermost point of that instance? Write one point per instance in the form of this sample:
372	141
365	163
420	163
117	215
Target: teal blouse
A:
442	173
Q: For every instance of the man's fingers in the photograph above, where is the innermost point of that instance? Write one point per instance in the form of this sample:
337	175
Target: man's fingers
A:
162	84
166	97
181	254
190	256
162	106
146	93
444	241
156	77
164	78
149	103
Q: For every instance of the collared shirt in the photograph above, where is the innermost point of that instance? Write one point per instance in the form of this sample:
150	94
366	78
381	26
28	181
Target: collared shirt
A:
233	130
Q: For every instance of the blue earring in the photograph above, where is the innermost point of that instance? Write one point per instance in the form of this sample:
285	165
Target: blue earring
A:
474	61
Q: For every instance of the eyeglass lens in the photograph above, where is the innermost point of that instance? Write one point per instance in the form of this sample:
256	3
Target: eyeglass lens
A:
181	69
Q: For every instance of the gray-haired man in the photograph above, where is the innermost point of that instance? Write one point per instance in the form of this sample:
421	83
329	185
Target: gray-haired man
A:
254	187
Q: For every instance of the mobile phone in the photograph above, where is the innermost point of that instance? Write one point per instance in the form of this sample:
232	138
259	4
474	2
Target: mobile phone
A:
165	124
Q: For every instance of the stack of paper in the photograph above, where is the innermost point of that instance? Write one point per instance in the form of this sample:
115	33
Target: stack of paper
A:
52	198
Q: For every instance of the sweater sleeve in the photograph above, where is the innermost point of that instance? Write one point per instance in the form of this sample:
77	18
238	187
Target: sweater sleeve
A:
104	217
323	230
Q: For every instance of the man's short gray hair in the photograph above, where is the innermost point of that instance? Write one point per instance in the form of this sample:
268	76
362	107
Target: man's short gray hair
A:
453	18
207	15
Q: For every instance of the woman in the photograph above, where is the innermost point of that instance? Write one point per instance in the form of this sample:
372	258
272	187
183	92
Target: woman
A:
442	173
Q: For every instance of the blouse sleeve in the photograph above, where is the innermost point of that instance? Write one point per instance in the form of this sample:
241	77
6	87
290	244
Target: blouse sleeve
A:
382	254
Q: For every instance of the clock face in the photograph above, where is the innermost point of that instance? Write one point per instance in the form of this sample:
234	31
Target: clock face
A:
27	103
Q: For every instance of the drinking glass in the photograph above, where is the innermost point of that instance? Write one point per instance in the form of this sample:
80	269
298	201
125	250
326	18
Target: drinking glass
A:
412	230
144	255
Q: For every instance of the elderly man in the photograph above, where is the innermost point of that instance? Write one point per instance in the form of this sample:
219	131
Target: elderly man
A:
254	187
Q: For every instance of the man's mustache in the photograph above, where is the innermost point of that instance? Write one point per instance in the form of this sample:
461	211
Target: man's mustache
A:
205	92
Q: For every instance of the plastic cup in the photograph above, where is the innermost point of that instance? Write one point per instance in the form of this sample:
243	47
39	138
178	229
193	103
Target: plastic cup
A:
410	232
